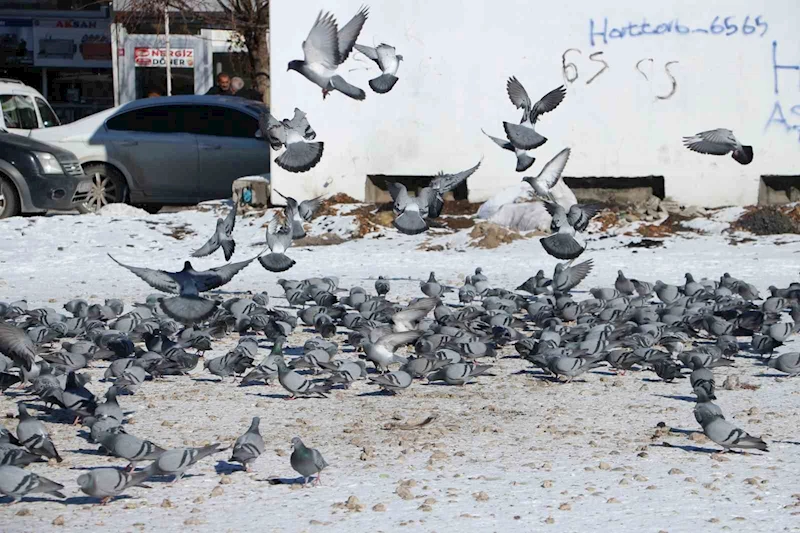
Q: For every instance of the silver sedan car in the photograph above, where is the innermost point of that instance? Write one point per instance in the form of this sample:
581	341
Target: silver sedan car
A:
177	150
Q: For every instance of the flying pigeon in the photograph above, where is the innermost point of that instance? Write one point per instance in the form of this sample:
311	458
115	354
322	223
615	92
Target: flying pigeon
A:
381	352
302	212
719	142
562	244
387	60
306	461
249	446
524	158
408	211
565	277
296	135
17	345
279	239
442	184
549	175
327	47
522	135
221	238
17	483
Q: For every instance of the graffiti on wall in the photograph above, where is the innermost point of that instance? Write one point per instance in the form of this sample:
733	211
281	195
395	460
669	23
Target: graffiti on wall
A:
721	25
783	116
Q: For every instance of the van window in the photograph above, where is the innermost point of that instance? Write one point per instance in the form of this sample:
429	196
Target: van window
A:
49	118
18	112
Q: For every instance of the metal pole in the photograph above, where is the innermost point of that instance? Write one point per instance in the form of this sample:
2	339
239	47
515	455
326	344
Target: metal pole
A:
169	55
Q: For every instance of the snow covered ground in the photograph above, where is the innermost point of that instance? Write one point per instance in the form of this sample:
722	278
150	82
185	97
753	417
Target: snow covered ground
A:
510	452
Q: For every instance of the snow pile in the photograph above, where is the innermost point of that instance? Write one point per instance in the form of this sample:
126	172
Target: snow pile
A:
514	208
121	210
719	222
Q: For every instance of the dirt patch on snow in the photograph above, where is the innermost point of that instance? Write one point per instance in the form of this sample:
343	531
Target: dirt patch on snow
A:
488	235
770	220
670	226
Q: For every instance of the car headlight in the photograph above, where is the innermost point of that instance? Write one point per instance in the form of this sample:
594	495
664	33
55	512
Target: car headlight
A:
48	163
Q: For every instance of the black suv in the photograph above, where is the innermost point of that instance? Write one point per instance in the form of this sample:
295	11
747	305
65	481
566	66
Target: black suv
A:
36	177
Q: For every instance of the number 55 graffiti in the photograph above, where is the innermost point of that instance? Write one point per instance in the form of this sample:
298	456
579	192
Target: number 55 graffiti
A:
570	70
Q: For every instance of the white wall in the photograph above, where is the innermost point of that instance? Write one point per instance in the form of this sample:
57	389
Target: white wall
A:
458	56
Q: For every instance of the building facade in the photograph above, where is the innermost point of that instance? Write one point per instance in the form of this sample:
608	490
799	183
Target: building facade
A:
639	76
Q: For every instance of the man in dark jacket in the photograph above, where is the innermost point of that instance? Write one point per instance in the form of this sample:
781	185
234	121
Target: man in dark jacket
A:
238	89
223	85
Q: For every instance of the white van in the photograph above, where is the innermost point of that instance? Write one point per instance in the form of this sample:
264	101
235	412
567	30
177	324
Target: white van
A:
24	108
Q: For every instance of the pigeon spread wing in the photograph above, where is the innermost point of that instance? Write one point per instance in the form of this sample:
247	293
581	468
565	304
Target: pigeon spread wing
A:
553	169
349	33
393	340
577	273
714	142
219	276
447	182
299	123
230	221
158	279
502	143
368	51
548	102
208	248
301	156
322	43
307	208
517	93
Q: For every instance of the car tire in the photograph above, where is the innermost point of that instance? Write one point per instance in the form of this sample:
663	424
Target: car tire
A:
9	201
108	187
150	208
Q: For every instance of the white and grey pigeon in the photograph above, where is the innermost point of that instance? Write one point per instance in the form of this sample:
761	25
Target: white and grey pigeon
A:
16	482
306	461
327	47
188	307
720	141
381	353
549	175
387	60
279	239
248	446
301	212
106	483
302	152
408	211
222	237
524	157
566	224
523	135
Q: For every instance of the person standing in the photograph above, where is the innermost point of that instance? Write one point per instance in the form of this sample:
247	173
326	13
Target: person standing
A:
223	86
238	89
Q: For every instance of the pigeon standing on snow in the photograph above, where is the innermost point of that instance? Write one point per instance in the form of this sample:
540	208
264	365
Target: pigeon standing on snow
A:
726	434
296	135
382	286
221	238
16	482
327	47
176	462
279	239
125	446
787	362
106	483
388	61
34	436
522	135
549	175
719	142
302	212
306	461
297	385
249	446
524	157
393	381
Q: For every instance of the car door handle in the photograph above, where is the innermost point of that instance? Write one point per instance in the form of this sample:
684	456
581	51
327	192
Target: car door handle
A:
127	143
210	146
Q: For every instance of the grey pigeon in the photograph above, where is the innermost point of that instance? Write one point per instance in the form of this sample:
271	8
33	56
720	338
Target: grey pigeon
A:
34	436
188	283
408	318
440	185
388	61
393	381
572	366
705	408
726	434
125	446
381	352
279	239
409	212
524	158
720	141
306	461
106	483
297	385
566	278
249	446
177	461
221	238
302	153
458	373
549	175
16	482
302	212
702	378
382	286
110	408
267	369
523	135
787	362
16	345
327	47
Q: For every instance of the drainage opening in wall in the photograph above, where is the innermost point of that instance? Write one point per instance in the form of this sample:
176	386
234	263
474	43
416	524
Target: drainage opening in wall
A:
616	191
377	189
778	190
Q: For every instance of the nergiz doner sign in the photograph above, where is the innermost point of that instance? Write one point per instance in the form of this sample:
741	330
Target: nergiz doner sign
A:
157	57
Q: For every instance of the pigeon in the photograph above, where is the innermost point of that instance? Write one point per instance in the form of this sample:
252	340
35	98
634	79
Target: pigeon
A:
327	47
441	184
387	60
306	461
297	385
524	159
302	152
787	362
409	318
549	175
393	381
107	483
16	345
125	446
624	285
110	408
572	366
279	239
522	135
382	286
726	434
34	436
719	142
302	212
249	446
177	461
221	238
704	408
16	482
188	307
702	378
458	373
16	456
381	352
267	369
408	213
566	278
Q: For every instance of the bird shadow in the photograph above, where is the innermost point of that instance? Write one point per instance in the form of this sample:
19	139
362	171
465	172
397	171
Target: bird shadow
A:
91	500
690	399
208	380
85	451
379	392
224	467
685	447
32	499
273	396
792	442
771	375
284	481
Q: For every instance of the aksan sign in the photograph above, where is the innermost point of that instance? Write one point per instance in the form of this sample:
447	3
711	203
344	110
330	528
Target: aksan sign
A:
157	57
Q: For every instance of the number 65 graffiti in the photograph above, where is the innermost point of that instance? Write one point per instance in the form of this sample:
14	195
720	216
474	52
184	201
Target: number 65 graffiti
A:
570	70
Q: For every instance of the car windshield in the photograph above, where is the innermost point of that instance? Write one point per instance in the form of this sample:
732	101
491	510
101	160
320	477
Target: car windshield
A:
49	118
18	112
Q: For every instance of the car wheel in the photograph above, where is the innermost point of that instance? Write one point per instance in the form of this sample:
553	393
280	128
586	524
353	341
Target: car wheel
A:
9	202
108	187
